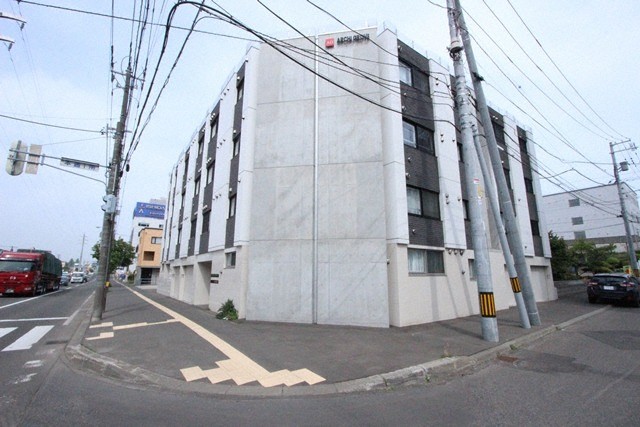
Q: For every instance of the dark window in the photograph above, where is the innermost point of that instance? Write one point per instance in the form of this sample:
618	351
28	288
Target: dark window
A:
574	202
210	173
205	222
535	228
405	74
577	220
424	261
240	88
192	232
196	190
423	203
579	235
201	142
507	177
236	145
523	145
418	137
421	82
230	259
232	206
214	127
528	184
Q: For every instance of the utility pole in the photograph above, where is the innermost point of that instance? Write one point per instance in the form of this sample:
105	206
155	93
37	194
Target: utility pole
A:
111	199
82	248
633	261
509	217
495	210
482	264
19	19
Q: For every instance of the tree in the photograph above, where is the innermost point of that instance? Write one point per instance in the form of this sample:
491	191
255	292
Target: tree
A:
122	254
587	256
560	257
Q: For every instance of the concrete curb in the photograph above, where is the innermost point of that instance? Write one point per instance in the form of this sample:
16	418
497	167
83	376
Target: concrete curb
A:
83	359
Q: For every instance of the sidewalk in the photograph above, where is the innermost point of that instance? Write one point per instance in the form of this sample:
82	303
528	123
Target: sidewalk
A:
151	340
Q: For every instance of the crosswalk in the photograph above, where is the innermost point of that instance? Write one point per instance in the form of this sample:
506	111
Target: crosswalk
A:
26	340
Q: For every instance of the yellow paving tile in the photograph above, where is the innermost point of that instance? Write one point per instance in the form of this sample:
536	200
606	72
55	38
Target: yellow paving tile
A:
308	376
101	336
193	373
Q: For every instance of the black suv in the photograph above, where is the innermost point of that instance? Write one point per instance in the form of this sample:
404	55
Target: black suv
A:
614	287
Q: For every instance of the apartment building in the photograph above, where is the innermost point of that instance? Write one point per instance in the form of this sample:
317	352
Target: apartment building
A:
326	186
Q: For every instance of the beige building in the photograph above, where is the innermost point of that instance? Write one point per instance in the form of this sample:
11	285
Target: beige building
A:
149	253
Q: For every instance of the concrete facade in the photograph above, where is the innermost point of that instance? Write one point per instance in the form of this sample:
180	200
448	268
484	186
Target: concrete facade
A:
292	197
593	214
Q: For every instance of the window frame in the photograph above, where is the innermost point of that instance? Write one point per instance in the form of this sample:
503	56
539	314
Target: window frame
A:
426	264
230	259
403	68
232	207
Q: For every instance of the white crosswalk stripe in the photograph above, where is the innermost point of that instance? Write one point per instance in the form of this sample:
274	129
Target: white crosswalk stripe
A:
5	331
27	340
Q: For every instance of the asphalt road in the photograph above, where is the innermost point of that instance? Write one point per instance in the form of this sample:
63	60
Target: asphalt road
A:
587	375
33	335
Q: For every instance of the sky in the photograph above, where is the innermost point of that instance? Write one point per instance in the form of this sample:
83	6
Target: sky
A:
568	71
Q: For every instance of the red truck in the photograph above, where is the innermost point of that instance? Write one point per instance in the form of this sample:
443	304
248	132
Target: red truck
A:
29	272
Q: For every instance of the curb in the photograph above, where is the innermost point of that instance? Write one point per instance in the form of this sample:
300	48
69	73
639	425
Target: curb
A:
84	359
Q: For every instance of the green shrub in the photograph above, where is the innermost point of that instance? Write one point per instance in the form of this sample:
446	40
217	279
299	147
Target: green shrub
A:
227	311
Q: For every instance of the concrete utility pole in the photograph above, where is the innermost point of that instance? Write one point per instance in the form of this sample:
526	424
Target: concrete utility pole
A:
478	231
633	261
495	210
509	217
108	222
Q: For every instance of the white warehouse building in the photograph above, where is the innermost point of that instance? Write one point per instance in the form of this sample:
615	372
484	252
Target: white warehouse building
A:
594	214
303	202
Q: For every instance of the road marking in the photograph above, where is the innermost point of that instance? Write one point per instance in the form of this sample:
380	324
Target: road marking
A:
101	336
23	378
26	341
20	302
31	364
36	319
5	331
240	368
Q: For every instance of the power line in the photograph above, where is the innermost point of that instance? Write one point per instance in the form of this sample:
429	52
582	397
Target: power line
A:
50	125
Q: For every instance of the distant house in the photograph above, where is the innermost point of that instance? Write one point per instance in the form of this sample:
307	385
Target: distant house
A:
593	214
149	253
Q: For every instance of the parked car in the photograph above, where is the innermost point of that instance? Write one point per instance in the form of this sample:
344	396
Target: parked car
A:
64	279
614	287
78	277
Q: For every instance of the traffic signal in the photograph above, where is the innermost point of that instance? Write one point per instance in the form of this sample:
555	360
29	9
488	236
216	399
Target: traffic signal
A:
15	159
109	203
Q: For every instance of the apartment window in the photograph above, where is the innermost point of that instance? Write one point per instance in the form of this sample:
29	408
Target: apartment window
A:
236	145
205	222
421	82
156	240
472	269
460	153
577	220
240	91
535	228
148	255
579	235
196	190
230	260
232	206
424	261
405	74
418	137
214	127
465	209
431	204
423	203
409	134
192	232
574	202
210	173
528	184
414	203
201	142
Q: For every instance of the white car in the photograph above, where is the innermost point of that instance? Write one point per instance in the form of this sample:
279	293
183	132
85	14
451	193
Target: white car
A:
78	277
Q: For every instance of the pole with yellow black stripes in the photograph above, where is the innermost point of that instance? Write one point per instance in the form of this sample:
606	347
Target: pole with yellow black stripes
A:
504	243
474	188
